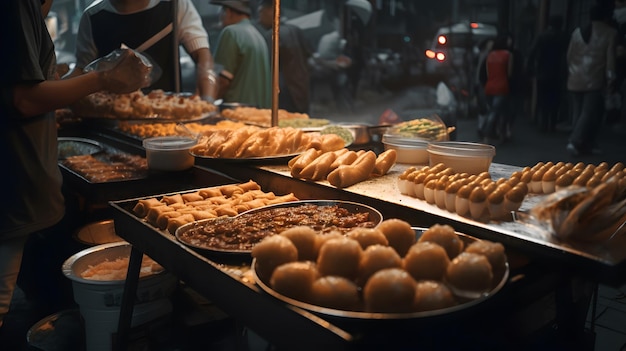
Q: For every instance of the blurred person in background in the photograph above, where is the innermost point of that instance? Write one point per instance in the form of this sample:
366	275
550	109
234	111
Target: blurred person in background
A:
242	52
147	26
591	74
330	67
31	91
546	62
499	69
294	53
619	15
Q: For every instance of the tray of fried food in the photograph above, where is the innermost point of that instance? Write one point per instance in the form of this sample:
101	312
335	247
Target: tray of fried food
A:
256	143
168	212
393	271
156	105
260	116
148	130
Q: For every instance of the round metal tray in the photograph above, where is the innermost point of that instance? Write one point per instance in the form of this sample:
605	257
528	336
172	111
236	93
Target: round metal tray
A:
463	305
353	207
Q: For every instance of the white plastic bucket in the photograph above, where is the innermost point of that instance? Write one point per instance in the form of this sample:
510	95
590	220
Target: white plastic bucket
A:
99	301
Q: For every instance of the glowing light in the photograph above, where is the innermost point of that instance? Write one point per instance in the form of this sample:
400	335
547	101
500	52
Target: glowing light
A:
474	25
430	54
442	39
441	56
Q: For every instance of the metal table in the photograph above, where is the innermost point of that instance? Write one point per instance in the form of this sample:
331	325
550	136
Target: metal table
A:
285	326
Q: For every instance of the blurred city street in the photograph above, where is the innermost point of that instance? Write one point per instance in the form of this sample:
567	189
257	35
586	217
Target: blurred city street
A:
527	147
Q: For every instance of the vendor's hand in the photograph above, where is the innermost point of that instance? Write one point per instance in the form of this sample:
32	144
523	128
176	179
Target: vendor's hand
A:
128	75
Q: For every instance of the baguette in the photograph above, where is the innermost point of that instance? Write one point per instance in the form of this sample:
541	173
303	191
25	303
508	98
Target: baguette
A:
384	162
319	168
360	170
303	160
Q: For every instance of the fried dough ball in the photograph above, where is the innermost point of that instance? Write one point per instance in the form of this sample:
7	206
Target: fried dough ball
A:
470	272
271	252
375	258
399	234
446	237
335	292
432	295
322	238
340	257
426	260
368	236
295	279
389	290
495	254
305	239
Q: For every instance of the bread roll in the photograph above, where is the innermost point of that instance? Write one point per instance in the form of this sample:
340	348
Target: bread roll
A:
271	252
390	290
336	292
340	257
376	258
432	295
295	279
399	234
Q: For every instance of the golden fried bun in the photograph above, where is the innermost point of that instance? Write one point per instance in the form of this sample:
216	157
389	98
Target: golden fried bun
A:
426	260
494	252
470	272
305	239
271	252
375	258
389	290
339	257
295	279
335	292
446	237
322	238
399	234
432	295
368	236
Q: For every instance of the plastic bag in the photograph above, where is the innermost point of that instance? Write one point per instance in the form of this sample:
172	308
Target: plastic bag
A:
109	61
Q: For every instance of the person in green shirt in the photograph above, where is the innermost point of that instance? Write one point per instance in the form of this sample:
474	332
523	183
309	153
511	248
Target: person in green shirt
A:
242	52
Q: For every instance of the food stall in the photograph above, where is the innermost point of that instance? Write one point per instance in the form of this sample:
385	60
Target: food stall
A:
534	295
293	163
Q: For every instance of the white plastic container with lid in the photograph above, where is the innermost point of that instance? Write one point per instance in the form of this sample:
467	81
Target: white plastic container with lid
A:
169	153
409	150
462	157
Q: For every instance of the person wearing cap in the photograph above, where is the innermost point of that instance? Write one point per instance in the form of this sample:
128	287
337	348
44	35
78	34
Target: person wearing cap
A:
147	26
294	52
243	53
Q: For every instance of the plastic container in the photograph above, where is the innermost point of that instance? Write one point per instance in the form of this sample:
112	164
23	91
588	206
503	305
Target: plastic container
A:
169	153
462	157
99	300
409	150
430	128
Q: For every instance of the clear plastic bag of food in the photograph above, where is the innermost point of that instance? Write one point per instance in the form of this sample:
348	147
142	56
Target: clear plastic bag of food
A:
109	61
582	214
429	128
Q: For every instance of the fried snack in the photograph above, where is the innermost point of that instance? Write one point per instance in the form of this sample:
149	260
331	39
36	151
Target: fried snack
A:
384	162
360	170
295	279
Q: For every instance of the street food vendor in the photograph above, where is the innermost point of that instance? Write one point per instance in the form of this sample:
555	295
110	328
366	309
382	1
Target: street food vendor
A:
146	26
33	200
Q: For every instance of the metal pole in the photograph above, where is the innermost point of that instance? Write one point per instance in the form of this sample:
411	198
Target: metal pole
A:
175	46
275	68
